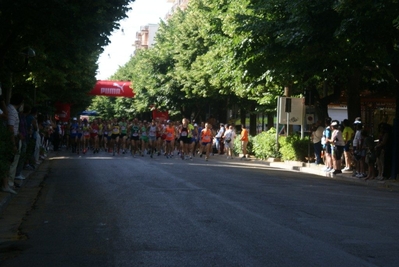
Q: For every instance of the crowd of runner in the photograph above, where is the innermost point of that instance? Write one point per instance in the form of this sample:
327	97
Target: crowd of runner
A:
153	138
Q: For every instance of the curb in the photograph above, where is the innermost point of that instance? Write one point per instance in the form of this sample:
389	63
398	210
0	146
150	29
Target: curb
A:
5	197
392	185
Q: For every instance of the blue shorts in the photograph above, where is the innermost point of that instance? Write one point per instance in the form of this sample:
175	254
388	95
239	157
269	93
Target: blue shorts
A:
347	147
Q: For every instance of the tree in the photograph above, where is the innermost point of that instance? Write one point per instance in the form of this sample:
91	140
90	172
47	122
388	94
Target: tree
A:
67	36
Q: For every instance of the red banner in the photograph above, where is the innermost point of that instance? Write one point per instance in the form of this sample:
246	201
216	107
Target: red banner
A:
161	115
63	111
112	88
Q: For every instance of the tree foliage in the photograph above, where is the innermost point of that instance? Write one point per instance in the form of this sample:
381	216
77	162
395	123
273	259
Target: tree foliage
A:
67	36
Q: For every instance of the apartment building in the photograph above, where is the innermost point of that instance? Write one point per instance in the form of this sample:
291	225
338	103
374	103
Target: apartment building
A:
145	38
182	4
177	4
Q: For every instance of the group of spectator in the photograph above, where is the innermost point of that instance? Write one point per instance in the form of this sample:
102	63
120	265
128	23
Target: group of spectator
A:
22	141
345	147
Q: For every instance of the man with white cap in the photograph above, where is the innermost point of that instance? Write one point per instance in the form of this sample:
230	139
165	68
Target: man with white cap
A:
357	149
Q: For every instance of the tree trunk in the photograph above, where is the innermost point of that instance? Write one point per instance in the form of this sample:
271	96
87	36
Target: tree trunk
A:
353	97
270	120
252	120
243	117
395	151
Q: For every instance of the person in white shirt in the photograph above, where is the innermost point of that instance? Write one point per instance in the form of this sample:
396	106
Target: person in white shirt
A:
16	102
3	121
337	143
228	137
218	138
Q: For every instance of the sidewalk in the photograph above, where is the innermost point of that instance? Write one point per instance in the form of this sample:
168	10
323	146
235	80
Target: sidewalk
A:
5	197
317	170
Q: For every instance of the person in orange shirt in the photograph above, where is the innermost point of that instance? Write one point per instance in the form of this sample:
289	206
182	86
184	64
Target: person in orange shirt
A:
206	141
244	141
169	139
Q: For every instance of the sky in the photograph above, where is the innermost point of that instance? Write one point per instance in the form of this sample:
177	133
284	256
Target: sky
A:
121	48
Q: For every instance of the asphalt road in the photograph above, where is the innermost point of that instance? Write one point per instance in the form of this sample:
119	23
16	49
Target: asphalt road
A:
99	210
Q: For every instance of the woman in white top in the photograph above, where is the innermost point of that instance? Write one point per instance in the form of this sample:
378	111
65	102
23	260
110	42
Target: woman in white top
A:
337	143
228	137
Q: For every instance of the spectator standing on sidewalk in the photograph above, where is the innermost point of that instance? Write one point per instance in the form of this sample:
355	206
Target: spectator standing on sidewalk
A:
370	157
358	150
381	147
337	146
35	141
348	135
244	141
229	141
16	103
5	147
327	146
23	133
317	135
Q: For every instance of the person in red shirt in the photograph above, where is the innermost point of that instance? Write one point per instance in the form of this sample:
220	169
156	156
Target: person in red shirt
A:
244	141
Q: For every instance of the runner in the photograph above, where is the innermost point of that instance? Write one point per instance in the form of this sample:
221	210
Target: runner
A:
106	135
115	128
134	137
100	134
94	135
191	139
160	137
79	137
206	141
144	137
184	139
86	135
152	137
169	139
74	135
123	134
196	138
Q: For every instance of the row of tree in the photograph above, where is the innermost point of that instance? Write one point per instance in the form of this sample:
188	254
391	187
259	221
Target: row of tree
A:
215	55
218	54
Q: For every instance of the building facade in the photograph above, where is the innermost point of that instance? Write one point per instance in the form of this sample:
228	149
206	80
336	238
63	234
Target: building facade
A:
145	38
182	4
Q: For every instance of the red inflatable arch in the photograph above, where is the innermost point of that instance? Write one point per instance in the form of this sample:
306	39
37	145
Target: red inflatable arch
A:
112	88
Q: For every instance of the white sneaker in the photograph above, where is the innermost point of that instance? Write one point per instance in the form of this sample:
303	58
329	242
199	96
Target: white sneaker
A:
20	177
8	190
